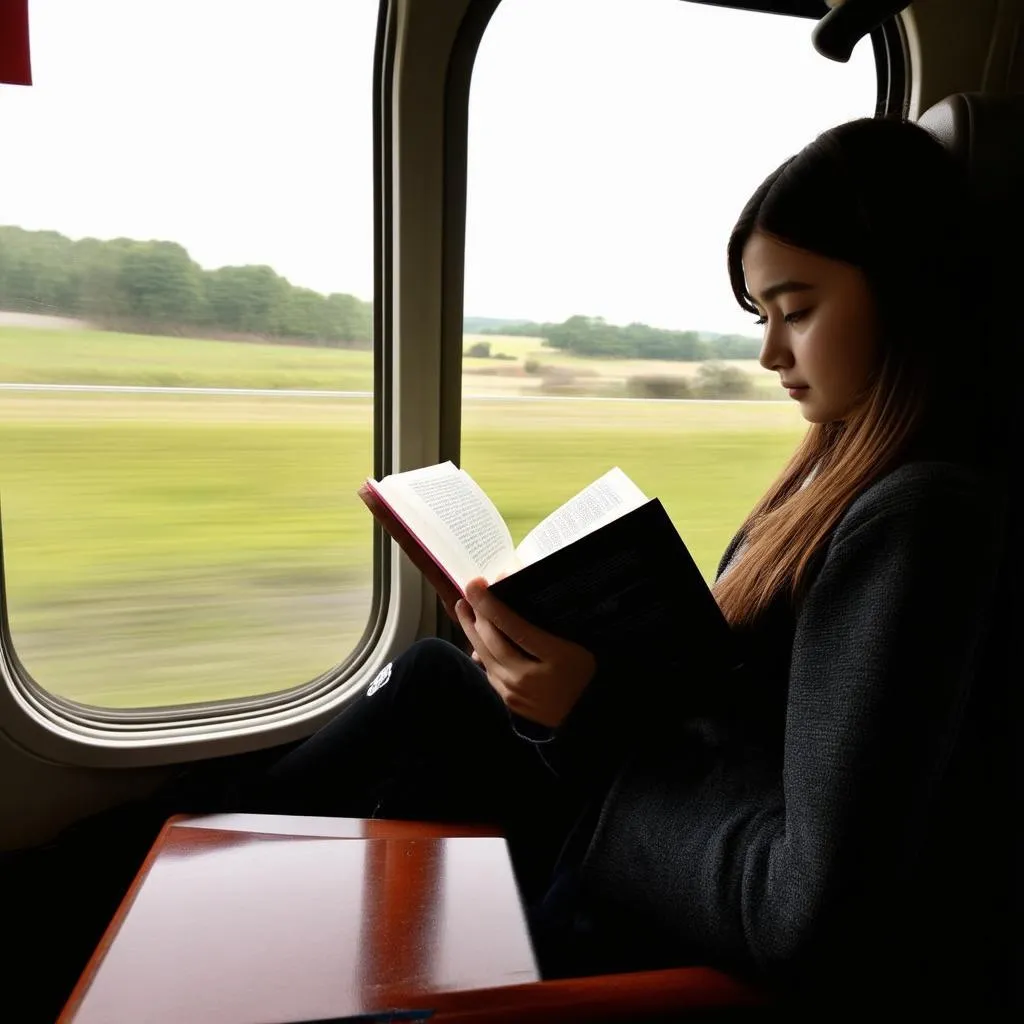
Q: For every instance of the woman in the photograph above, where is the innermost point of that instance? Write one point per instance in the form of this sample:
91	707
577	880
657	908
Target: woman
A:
813	820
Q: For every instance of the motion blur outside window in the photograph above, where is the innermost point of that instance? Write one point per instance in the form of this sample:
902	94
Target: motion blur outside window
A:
186	367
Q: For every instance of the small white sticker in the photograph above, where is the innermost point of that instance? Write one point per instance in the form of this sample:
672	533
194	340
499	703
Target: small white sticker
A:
379	680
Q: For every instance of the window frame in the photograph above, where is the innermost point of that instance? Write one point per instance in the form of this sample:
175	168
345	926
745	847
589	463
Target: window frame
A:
71	733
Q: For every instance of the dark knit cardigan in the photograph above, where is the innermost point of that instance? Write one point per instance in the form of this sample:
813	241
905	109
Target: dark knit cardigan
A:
829	820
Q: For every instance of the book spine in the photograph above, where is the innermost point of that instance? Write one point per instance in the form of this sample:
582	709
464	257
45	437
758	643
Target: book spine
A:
448	590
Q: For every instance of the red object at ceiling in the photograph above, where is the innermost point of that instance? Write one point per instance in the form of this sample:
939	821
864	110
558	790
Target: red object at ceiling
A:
15	64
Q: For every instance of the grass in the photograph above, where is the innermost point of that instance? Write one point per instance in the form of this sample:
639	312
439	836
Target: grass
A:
34	356
707	463
164	549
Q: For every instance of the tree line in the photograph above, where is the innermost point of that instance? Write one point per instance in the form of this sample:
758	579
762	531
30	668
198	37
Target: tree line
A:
156	287
593	336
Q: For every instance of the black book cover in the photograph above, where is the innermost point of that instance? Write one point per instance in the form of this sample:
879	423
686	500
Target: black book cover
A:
628	591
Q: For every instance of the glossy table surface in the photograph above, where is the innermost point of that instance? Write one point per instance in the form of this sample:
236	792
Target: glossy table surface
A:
259	918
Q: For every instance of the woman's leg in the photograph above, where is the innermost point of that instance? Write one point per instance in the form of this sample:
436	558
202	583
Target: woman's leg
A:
429	741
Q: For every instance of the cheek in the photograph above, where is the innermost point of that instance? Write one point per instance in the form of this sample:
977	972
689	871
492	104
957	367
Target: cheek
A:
854	352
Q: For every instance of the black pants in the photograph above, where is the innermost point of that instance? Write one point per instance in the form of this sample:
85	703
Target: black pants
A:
435	743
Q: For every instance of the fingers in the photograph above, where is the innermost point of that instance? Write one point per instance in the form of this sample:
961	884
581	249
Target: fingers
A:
503	649
532	640
467	621
542	689
492	647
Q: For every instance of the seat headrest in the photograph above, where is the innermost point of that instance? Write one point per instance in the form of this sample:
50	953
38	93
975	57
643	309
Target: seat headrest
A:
986	133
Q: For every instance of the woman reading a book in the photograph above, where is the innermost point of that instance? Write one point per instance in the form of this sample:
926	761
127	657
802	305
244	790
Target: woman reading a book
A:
826	813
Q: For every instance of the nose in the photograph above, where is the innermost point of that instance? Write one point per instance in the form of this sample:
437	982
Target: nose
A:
775	352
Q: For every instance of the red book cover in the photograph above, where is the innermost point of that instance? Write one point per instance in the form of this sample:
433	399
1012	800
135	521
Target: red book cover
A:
447	589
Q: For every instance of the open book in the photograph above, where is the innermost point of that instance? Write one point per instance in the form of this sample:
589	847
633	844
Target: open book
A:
606	569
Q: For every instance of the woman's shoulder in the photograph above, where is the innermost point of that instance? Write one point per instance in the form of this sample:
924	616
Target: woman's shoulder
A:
929	490
926	526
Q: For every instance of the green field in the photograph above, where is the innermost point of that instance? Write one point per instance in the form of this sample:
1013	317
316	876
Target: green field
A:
165	549
600	376
33	356
29	355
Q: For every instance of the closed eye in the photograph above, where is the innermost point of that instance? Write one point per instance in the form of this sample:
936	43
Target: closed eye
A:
790	318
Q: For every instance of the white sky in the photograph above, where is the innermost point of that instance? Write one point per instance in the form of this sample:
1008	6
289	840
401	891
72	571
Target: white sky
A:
612	142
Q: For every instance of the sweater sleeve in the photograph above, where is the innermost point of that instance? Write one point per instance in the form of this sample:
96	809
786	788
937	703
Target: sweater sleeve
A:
594	734
781	868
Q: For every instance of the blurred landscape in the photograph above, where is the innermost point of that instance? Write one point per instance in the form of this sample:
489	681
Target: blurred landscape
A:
173	548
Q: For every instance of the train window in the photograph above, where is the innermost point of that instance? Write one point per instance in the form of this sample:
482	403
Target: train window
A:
612	145
186	271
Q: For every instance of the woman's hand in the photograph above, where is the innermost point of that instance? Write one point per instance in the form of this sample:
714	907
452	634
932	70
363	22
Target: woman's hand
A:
538	675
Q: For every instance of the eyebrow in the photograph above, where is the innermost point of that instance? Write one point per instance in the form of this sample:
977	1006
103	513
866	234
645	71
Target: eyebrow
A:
784	288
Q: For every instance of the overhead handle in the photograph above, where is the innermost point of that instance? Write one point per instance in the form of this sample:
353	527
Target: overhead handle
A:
848	22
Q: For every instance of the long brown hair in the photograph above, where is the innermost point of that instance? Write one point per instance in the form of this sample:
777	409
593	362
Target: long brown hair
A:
841	198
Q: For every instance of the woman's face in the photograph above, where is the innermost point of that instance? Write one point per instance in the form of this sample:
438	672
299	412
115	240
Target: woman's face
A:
820	325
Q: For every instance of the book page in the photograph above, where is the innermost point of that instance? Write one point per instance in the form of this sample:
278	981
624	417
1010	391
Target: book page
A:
607	498
451	514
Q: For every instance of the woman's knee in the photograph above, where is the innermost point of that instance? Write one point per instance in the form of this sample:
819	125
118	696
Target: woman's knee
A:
409	703
431	670
437	654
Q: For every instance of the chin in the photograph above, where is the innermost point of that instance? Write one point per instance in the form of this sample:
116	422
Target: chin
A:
815	414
